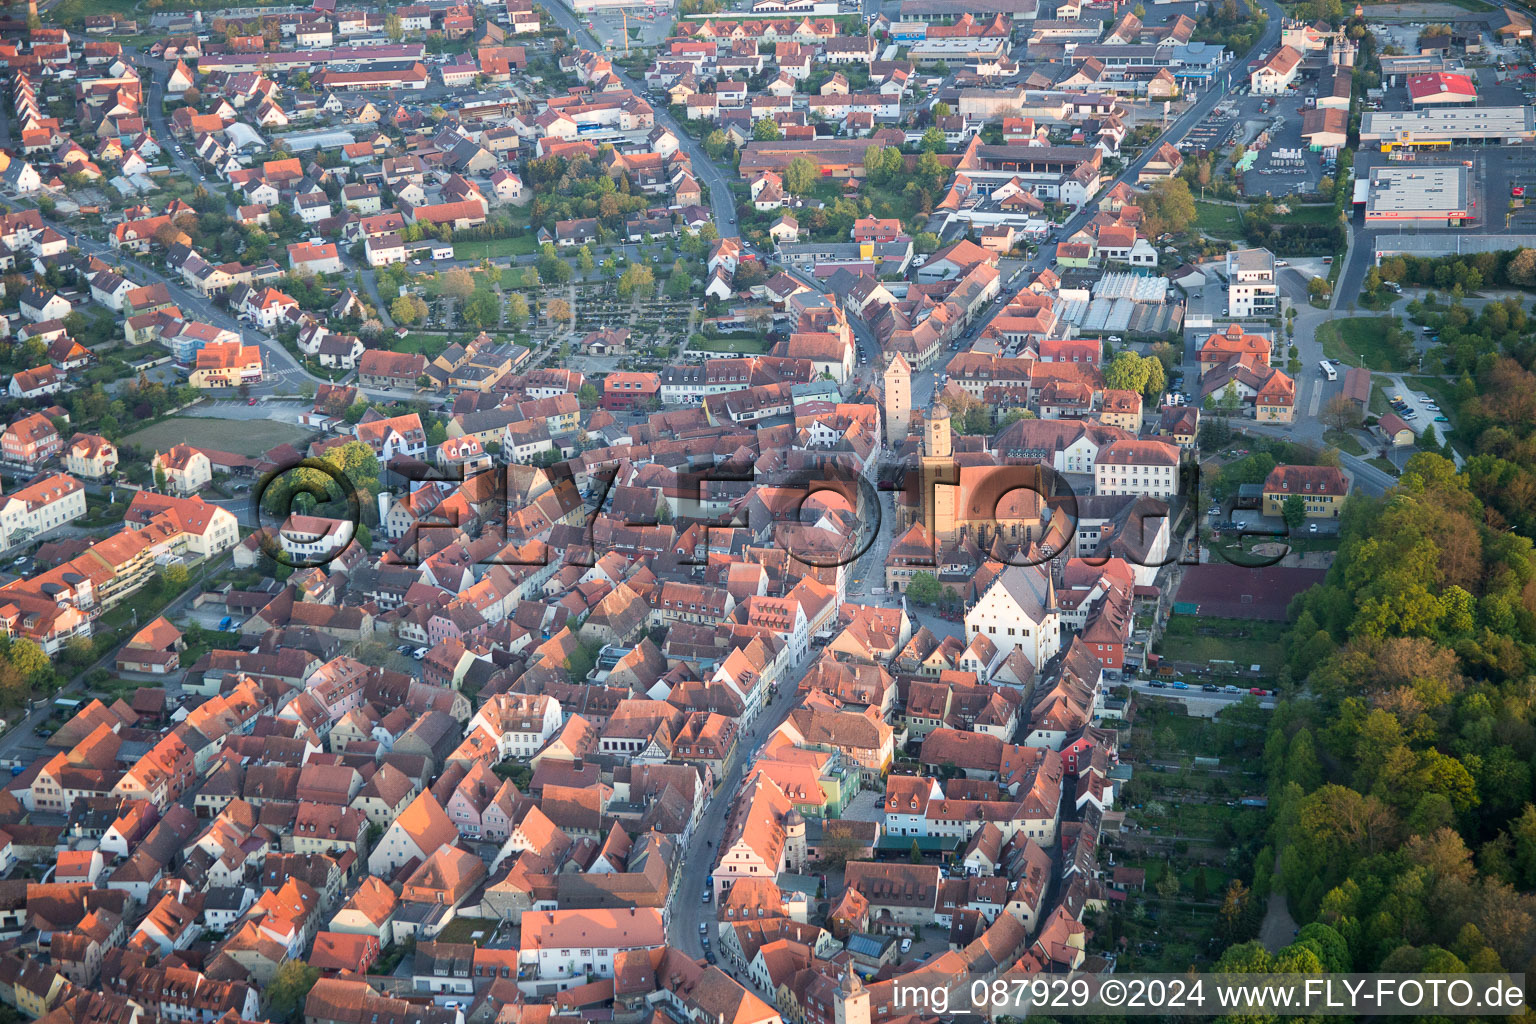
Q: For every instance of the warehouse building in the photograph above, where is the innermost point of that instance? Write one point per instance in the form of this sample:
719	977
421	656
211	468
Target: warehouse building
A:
1416	194
1442	128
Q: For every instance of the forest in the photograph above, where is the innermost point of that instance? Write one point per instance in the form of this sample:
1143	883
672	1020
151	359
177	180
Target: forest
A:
1400	775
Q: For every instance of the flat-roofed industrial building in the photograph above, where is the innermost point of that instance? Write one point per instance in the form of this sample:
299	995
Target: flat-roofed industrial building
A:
1416	194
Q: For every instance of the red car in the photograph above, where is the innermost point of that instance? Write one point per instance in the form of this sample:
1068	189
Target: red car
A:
250	401
1518	192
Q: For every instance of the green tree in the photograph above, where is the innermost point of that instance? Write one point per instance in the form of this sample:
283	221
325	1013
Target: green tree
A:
517	308
289	988
924	588
482	310
925	242
932	141
916	856
1128	371
715	144
394	28
766	129
404	311
801	175
160	478
1294	511
585	261
457	283
28	659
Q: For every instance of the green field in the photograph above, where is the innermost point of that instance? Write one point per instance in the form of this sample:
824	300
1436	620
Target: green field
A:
1217	221
1352	339
496	248
1309	215
1204	639
243	437
1344	441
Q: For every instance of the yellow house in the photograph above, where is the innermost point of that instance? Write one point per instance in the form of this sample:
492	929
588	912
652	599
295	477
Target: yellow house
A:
1322	488
1121	409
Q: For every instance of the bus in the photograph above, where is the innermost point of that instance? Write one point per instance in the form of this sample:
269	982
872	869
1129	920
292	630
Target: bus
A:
1328	370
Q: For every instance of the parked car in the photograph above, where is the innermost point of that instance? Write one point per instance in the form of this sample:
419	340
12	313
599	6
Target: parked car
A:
906	945
226	622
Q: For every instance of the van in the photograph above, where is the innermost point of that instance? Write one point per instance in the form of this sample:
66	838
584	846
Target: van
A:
226	622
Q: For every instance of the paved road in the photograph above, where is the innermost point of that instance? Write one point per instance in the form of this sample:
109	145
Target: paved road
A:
688	910
721	202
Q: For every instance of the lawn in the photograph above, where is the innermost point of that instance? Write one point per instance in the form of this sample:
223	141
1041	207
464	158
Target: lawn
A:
1217	221
1385	465
1204	639
518	245
748	345
1344	441
1351	339
429	345
243	437
1308	215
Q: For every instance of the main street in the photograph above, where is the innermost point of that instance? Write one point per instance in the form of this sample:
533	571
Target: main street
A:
688	909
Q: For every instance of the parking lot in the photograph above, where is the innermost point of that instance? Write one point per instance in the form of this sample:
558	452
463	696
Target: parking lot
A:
1285	166
1418	410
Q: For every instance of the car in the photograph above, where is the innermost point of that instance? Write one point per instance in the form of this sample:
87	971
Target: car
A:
906	945
1282	263
1311	527
417	262
709	957
419	653
250	401
1518	192
1231	689
1158	683
1432	405
703	928
226	622
1211	688
1179	684
1441	419
1115	339
707	896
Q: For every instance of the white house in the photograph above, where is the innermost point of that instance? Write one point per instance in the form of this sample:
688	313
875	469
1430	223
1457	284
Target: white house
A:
1137	467
1019	611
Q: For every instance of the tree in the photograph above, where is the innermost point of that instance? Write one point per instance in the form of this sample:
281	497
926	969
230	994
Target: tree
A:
932	140
290	986
715	144
1128	371
371	328
1168	883
766	129
174	578
801	175
941	109
636	280
1294	511
1319	288
1341	412
585	261
28	659
482	310
517	308
1157	380
161	479
587	396
557	310
403	310
916	856
457	284
924	588
394	28
925	242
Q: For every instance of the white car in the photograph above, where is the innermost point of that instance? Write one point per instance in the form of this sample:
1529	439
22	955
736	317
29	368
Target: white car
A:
906	945
419	653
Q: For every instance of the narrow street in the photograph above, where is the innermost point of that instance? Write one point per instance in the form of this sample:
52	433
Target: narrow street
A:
688	909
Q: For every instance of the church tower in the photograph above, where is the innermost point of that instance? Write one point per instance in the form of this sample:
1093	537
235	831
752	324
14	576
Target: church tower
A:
898	401
852	1000
940	476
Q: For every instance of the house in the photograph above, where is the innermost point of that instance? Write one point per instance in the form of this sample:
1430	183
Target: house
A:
42	505
1275	75
1136	468
91	456
1321	488
1396	430
155	649
30	441
1018	611
314	258
380	369
566	947
185	469
226	364
36	382
39	303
